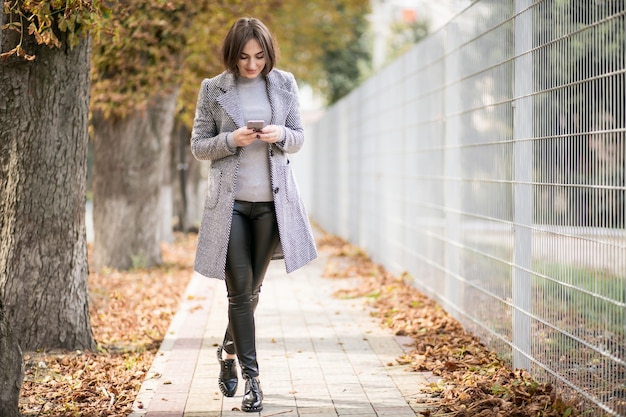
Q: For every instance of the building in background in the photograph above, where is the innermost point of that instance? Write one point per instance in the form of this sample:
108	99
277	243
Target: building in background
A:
387	14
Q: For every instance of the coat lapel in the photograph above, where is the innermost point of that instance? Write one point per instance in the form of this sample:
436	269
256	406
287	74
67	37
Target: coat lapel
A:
229	100
280	99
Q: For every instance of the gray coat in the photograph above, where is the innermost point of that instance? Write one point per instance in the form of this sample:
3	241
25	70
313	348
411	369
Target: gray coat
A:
218	112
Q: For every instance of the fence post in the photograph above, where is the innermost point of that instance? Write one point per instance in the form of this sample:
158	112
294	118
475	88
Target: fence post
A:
454	293
522	182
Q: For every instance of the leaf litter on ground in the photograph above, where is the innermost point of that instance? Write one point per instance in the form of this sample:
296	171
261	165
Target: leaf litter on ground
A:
474	380
131	311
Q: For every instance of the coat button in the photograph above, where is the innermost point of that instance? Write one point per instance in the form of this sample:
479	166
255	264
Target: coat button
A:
276	190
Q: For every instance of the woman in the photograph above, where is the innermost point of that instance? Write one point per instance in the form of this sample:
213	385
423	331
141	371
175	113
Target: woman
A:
253	211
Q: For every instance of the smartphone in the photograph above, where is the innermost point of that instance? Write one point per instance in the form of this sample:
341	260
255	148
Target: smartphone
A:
256	125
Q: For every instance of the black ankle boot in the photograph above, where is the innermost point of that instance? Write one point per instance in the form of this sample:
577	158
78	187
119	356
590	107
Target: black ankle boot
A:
227	380
253	397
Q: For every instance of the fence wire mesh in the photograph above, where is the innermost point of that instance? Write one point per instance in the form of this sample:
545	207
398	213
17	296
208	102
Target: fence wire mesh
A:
488	163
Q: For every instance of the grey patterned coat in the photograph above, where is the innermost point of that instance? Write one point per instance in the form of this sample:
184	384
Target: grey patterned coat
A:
218	112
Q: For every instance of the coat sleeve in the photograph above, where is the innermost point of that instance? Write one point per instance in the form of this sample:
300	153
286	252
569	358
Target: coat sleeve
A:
294	131
207	142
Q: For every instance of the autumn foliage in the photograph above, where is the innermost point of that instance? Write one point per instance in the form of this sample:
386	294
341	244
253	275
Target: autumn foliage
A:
47	20
141	48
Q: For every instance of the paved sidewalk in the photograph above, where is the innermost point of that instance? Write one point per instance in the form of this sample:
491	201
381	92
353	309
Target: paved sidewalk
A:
319	356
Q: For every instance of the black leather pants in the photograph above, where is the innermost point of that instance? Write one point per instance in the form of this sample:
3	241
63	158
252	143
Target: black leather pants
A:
253	238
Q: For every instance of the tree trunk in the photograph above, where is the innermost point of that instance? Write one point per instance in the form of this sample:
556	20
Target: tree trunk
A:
11	369
166	200
127	185
189	182
44	111
11	363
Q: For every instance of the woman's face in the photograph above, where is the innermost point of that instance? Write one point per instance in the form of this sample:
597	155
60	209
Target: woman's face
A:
252	59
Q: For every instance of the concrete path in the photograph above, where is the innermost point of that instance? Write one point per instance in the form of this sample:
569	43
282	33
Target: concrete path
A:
319	356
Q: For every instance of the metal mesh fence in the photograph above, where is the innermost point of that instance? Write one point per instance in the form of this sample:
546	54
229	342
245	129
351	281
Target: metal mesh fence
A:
488	163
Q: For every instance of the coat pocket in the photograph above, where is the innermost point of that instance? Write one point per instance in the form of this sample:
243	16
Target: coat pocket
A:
214	187
291	187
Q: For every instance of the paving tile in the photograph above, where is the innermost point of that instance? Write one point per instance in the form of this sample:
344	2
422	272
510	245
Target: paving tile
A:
319	356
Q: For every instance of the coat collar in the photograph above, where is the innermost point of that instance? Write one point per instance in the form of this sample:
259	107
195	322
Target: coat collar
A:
277	91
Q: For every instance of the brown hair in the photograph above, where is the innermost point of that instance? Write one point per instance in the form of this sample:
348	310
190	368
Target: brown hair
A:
239	34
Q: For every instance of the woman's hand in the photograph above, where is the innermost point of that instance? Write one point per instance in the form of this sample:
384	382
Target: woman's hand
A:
244	136
270	134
